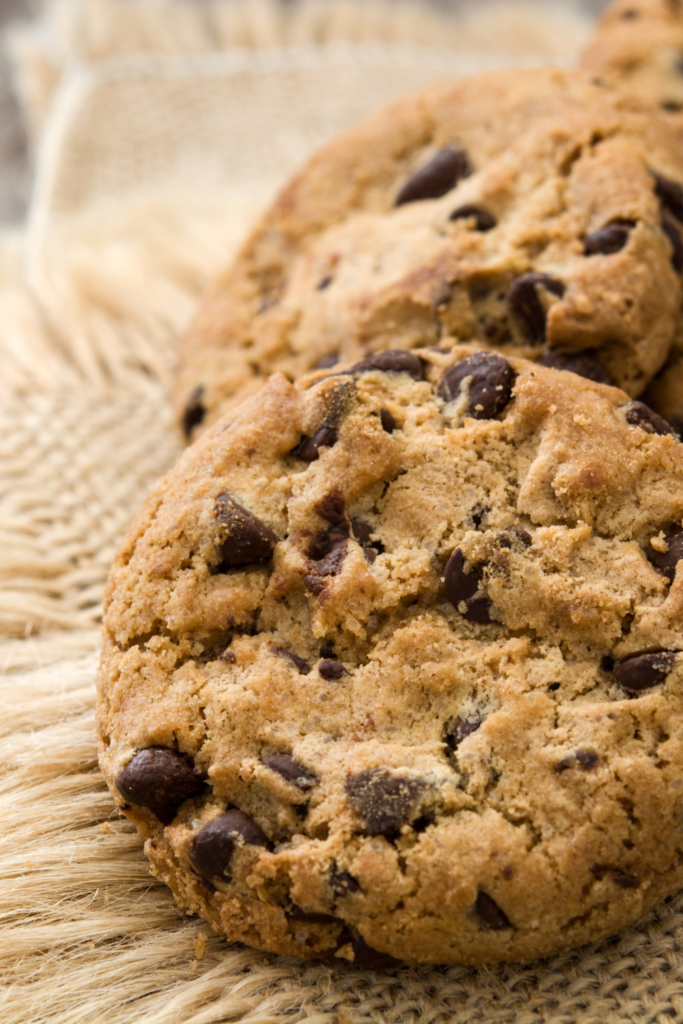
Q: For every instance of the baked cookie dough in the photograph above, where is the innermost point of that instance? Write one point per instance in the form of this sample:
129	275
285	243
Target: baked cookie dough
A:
393	663
526	210
638	46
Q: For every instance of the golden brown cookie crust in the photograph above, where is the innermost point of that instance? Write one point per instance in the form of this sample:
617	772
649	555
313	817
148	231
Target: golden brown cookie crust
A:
638	46
435	769
337	270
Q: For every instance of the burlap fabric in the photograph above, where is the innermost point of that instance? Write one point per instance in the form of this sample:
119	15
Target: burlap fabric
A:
149	168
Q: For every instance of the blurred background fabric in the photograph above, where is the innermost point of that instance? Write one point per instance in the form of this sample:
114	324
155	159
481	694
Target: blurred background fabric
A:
139	139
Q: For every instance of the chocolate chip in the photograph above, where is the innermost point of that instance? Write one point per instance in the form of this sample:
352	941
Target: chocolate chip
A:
331	508
514	536
629	15
327	649
670	195
248	542
608	240
584	364
322	285
666	561
460	729
640	415
483	220
308	448
672	232
488	911
388	422
383	801
313	583
616	875
586	759
526	307
161	780
331	670
213	847
195	411
362	531
671	106
327	362
342	882
490	384
328	550
396	360
446	168
462	586
369	959
291	770
641	671
300	663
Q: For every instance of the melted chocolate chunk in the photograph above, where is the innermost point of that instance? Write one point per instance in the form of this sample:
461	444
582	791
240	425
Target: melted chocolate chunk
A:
383	801
642	671
584	364
328	550
526	307
483	220
308	448
608	240
368	959
300	664
490	384
291	770
489	913
670	195
673	233
213	847
332	507
446	168
460	729
462	586
195	411
331	670
397	360
161	780
388	422
327	649
342	882
244	539
640	415
666	561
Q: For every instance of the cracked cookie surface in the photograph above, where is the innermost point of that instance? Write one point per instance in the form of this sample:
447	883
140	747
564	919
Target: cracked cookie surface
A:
391	663
521	210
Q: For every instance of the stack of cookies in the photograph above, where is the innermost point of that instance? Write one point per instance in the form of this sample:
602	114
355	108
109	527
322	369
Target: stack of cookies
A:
393	657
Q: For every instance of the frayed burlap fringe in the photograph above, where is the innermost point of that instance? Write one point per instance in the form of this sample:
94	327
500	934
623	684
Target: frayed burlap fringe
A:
88	936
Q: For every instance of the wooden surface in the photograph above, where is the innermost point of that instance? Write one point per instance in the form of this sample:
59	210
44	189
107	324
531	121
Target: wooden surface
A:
15	172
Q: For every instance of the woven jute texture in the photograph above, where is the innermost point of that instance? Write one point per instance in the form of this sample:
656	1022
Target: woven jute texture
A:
150	166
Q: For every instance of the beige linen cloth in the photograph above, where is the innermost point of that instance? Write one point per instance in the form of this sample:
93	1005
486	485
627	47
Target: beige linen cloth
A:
159	129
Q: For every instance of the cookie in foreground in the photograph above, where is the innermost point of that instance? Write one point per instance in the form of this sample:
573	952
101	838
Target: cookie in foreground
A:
391	664
526	210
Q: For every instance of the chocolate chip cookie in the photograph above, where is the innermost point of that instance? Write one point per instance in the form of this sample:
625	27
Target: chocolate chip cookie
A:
393	663
523	210
638	46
